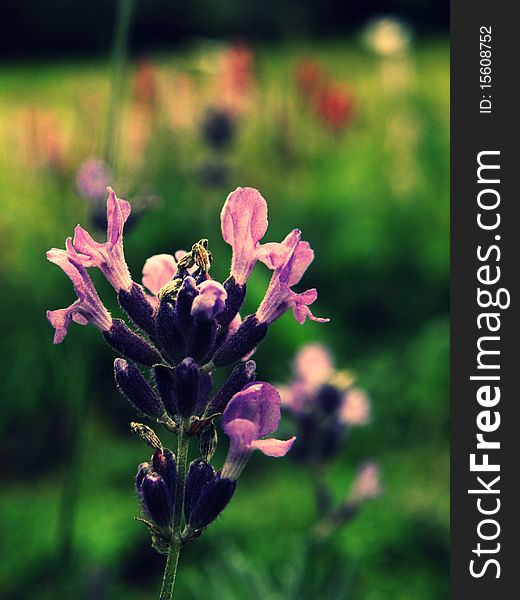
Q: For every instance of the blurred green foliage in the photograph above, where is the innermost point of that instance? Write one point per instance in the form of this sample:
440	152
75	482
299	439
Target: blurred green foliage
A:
374	203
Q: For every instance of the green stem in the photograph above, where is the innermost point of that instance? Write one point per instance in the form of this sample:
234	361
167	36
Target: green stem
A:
172	561
125	11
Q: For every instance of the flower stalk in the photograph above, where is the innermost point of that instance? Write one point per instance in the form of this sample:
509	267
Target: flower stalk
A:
186	326
170	570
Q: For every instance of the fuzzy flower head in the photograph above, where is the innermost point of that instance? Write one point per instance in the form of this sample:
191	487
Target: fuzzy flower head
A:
251	415
107	256
88	308
323	402
313	365
185	326
93	178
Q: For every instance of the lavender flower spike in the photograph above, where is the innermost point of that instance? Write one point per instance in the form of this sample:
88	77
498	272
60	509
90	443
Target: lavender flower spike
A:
250	415
244	223
279	296
108	256
88	308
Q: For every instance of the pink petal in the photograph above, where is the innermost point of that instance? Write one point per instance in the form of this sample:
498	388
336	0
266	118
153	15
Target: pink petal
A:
272	254
355	408
244	215
303	256
259	403
244	223
367	484
90	251
157	271
313	365
211	299
273	447
301	311
241	431
234	325
118	211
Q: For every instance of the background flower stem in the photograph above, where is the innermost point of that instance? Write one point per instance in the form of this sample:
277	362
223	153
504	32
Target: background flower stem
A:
125	12
172	561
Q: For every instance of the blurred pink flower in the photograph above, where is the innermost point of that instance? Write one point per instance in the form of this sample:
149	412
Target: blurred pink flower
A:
313	365
93	178
355	408
367	483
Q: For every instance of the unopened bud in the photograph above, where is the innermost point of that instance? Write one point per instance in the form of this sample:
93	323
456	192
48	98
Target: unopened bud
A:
136	305
235	298
241	375
199	475
137	390
186	387
169	337
131	345
213	500
241	343
156	499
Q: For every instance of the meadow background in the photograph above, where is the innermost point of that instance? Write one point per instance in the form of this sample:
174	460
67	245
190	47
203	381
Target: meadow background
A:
372	197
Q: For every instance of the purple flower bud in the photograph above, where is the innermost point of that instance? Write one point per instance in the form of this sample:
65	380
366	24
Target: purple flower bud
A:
137	390
199	475
163	376
187	293
218	128
210	301
169	337
213	500
235	298
241	343
201	341
131	345
186	387
156	499
206	385
241	375
330	441
143	469
136	305
329	399
165	465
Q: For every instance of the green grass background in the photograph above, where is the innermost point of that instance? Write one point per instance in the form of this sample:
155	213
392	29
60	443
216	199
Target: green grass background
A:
374	204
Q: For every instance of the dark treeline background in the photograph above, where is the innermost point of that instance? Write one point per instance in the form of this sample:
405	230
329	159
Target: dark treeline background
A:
58	27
